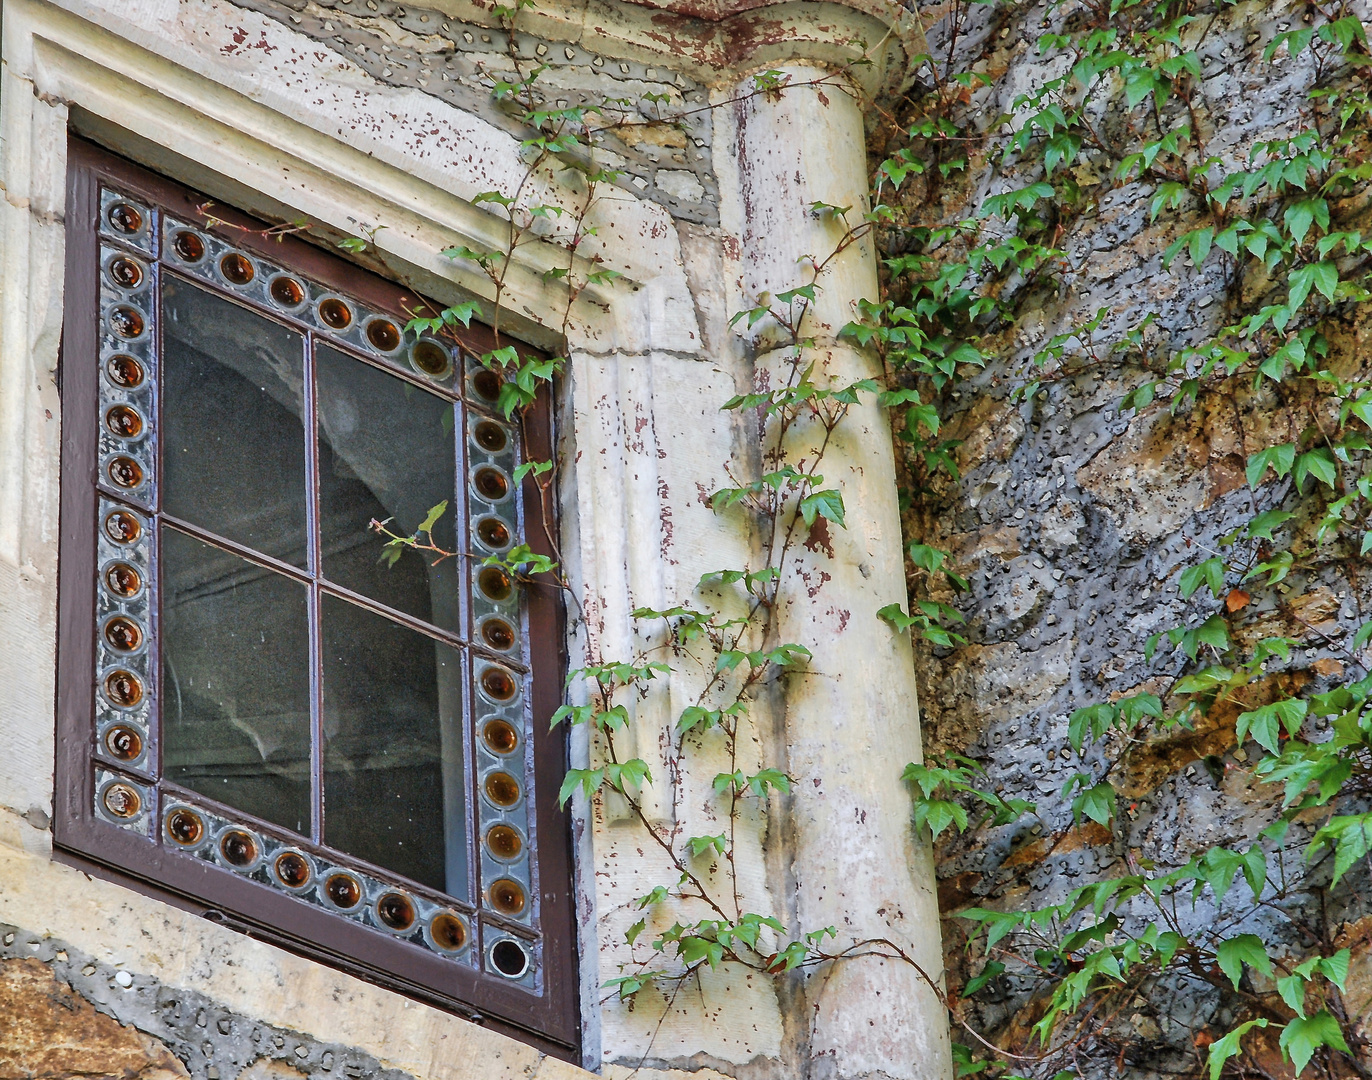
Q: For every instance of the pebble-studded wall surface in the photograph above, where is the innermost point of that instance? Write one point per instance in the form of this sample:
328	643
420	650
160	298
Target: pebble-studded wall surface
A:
1072	523
66	1014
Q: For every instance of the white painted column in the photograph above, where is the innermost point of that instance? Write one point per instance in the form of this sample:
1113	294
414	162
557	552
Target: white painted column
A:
852	722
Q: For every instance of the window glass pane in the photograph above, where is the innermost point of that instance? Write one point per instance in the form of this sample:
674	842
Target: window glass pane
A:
386	450
393	777
235	681
232	435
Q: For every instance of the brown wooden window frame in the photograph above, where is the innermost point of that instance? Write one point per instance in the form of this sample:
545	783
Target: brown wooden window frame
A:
546	1013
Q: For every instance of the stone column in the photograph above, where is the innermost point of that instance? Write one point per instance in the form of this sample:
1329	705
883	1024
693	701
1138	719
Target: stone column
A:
851	723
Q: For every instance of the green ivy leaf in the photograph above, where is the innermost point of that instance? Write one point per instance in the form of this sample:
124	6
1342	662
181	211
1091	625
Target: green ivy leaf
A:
1318	463
701	844
1260	528
1221	1050
587	779
1304	1035
1209	573
1263	723
1279	458
1234	952
431	518
827	504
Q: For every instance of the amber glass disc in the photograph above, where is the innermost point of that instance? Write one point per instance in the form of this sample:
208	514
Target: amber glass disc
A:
429	357
448	931
502	789
123	633
122	527
396	911
236	268
292	869
286	291
343	890
124	422
125	472
124	218
238	847
124	371
125	273
184	826
495	583
500	736
491	484
125	321
384	335
507	896
123	688
504	842
490	436
123	580
499	684
493	532
122	801
509	959
188	246
498	634
334	313
123	742
487	383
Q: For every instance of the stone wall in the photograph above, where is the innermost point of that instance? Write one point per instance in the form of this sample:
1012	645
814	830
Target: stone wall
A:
67	1014
1072	522
341	114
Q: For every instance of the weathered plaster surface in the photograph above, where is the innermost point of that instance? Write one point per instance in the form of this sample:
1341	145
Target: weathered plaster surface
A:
457	62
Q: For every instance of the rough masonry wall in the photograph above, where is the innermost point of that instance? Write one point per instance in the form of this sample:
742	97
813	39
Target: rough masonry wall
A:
67	1014
1072	522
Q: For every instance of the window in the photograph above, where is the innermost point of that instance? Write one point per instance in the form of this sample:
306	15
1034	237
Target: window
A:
261	709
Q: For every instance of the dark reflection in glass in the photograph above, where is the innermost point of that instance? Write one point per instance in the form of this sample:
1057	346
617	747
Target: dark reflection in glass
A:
386	450
344	890
393	747
233	437
509	959
123	743
293	869
189	246
235	682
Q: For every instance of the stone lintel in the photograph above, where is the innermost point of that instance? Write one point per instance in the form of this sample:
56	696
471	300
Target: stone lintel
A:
716	41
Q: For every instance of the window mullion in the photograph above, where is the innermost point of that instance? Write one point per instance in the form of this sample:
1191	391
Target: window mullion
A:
315	568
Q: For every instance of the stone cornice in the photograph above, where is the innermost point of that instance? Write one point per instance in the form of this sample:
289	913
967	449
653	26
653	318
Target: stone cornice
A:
717	41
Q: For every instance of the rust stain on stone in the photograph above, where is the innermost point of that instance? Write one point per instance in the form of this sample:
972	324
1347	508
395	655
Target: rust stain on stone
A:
52	1033
1163	756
